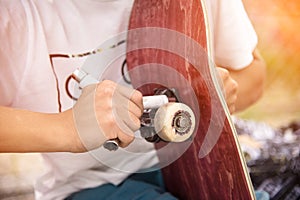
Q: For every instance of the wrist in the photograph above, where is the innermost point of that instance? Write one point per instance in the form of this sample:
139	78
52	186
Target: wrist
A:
73	142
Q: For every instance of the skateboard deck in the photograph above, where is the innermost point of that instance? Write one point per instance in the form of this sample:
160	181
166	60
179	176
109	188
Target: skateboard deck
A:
168	47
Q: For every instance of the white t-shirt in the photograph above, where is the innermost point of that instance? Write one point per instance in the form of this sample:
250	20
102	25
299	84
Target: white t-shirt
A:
32	30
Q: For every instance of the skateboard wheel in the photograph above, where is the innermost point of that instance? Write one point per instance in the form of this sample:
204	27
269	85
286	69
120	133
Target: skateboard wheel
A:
174	122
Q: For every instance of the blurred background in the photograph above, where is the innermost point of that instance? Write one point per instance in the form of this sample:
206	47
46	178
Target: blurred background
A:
277	24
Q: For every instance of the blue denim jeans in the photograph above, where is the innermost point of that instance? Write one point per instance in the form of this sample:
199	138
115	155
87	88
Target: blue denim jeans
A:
140	186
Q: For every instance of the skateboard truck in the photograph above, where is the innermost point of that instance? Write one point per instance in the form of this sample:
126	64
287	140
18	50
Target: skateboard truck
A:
163	119
171	122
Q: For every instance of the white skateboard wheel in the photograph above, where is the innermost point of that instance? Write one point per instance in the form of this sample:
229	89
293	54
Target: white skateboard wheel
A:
174	122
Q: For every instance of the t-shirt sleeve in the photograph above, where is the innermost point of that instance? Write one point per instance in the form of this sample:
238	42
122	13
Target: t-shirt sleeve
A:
234	37
13	45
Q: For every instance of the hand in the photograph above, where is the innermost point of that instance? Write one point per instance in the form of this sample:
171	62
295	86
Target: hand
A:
230	88
107	111
118	111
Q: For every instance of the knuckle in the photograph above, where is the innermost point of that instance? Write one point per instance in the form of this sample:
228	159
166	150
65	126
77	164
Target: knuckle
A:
235	98
226	72
110	120
223	72
108	82
235	83
136	123
138	95
108	90
106	87
138	113
233	86
137	98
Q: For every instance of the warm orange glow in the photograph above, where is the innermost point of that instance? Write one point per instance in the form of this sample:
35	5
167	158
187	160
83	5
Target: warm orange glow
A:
277	24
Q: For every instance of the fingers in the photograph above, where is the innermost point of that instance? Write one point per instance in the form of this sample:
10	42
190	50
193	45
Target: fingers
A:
123	106
107	111
230	88
135	96
128	106
131	117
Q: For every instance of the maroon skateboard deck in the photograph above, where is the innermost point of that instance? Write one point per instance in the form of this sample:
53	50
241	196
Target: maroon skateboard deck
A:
168	48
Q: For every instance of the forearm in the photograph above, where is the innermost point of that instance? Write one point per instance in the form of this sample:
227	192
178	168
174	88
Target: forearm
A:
25	131
250	82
